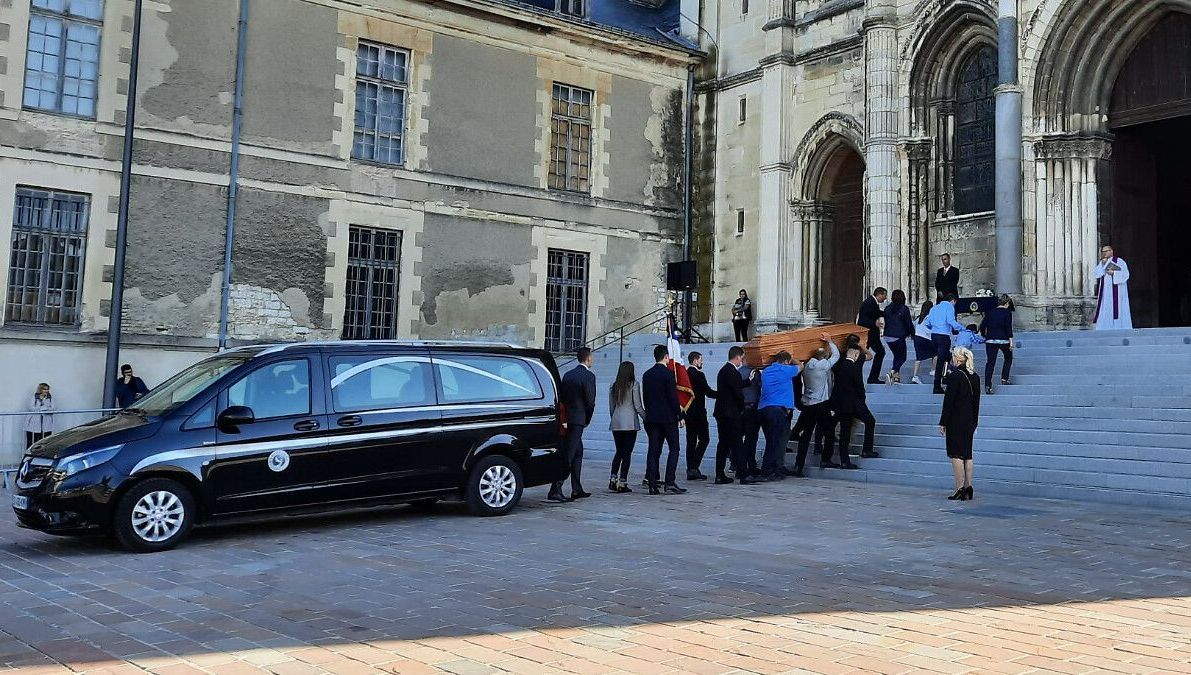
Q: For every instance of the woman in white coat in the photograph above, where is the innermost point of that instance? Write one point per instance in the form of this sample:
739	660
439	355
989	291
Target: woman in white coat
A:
40	421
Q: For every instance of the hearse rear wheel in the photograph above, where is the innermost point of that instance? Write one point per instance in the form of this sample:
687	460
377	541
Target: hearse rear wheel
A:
495	486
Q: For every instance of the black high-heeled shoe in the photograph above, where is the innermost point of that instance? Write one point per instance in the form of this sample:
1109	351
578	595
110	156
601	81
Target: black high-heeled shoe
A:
959	495
988	391
968	493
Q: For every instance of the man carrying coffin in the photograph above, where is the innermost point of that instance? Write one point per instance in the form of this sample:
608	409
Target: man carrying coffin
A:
1112	293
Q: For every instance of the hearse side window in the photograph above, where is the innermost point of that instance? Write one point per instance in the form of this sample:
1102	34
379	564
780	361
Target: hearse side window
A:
279	389
202	419
477	379
368	382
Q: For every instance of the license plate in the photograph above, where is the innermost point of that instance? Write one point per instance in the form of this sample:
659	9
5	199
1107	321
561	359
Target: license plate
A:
19	502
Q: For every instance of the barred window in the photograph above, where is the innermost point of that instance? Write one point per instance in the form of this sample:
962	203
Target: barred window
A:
566	300
975	146
45	270
62	57
570	138
572	7
373	271
382	90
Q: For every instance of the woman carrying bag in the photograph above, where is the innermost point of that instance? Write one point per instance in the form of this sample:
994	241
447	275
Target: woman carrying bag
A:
742	315
961	415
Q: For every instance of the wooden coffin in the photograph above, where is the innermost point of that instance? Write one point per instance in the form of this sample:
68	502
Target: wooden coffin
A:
800	343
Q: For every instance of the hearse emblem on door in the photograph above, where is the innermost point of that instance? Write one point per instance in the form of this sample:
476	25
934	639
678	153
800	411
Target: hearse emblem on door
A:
278	460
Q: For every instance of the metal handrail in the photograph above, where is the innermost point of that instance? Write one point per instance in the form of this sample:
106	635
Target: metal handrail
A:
656	314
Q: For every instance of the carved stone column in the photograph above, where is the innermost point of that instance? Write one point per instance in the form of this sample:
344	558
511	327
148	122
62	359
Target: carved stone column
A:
811	219
944	135
882	199
918	154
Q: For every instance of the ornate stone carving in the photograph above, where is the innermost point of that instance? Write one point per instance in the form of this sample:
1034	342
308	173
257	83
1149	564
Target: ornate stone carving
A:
1073	148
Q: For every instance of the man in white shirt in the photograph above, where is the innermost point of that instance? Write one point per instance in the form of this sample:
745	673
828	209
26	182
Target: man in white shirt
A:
814	418
1112	293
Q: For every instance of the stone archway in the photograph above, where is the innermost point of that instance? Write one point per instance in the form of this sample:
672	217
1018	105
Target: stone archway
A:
842	259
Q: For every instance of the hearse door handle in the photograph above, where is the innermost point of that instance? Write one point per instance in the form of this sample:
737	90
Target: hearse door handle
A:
351	421
306	425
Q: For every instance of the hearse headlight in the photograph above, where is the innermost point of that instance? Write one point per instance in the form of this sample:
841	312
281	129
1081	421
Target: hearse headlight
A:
87	460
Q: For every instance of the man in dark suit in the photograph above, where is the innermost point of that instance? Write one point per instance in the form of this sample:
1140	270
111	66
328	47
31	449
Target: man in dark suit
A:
947	278
848	403
698	431
729	414
578	394
663	417
870	313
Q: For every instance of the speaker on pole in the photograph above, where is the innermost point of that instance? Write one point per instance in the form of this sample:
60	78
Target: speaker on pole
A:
682	276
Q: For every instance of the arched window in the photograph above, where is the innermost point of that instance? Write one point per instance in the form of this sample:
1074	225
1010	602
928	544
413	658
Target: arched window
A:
975	110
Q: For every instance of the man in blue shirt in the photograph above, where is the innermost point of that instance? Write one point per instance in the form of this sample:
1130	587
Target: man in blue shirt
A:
941	323
775	409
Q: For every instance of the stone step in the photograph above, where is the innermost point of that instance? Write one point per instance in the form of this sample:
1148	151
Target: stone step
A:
1086	424
1153	439
889	409
1124	459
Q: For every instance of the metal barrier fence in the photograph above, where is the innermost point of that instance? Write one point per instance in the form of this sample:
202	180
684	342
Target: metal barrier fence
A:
13	426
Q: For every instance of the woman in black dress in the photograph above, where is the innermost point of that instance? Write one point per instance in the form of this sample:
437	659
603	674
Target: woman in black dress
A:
961	414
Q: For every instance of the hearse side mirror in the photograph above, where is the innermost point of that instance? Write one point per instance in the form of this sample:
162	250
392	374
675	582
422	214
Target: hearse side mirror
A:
234	417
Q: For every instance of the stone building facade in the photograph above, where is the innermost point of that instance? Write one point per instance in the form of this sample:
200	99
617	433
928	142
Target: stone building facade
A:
450	169
848	143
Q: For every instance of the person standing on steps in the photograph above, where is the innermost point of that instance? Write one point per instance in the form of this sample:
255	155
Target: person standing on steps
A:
40	421
848	400
1112	293
698	431
742	316
942	324
924	349
624	402
899	327
815	420
997	329
578	395
729	411
870	313
947	278
959	419
663	418
776	407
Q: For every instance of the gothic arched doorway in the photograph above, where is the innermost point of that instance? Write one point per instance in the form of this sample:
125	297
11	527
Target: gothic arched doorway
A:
844	246
1150	117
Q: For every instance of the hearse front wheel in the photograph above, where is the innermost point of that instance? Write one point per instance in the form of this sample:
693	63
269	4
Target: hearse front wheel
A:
495	486
154	515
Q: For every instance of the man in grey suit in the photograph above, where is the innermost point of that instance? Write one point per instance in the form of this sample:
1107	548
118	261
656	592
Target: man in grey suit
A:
578	395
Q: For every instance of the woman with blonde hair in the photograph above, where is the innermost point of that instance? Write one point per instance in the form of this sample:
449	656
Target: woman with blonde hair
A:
961	414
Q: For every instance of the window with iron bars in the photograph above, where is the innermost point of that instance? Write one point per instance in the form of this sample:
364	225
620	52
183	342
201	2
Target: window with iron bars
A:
382	91
573	7
373	272
62	56
566	300
570	139
45	270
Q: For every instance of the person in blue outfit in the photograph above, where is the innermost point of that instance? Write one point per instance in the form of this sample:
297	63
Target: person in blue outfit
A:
942	325
776	408
969	337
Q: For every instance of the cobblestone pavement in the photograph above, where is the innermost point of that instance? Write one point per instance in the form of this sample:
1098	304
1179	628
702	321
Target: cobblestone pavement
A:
800	576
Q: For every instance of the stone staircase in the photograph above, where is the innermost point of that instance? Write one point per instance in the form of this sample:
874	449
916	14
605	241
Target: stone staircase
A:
1102	416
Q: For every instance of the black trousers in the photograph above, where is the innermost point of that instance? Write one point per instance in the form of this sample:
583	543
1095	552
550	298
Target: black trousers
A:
990	351
661	433
731	446
845	432
875	344
816	421
32	437
943	357
625	441
741	328
898	347
775	420
750	423
698	437
573	449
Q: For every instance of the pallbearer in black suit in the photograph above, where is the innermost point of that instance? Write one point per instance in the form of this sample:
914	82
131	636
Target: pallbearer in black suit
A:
870	313
663	417
729	413
698	431
578	394
947	278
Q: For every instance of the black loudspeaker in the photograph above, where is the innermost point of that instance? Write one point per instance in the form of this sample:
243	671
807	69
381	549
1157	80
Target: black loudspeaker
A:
682	276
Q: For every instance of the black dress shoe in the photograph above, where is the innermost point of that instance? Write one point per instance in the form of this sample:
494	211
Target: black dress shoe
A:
749	480
797	473
773	477
939	390
644	482
622	489
723	480
580	495
828	465
612	485
785	472
869	454
672	489
557	497
654	490
849	465
959	495
695	475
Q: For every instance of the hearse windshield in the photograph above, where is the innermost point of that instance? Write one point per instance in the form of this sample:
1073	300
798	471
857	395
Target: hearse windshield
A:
189	383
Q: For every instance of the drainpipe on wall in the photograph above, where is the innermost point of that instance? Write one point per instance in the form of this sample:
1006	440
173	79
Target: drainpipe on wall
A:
115	313
1008	153
688	190
233	174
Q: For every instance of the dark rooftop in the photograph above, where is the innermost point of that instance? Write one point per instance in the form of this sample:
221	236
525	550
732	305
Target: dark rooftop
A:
657	24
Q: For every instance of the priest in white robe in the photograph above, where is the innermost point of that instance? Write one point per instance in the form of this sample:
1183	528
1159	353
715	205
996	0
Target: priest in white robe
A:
1112	293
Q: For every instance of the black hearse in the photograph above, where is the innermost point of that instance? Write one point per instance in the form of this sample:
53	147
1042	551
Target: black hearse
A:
265	430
